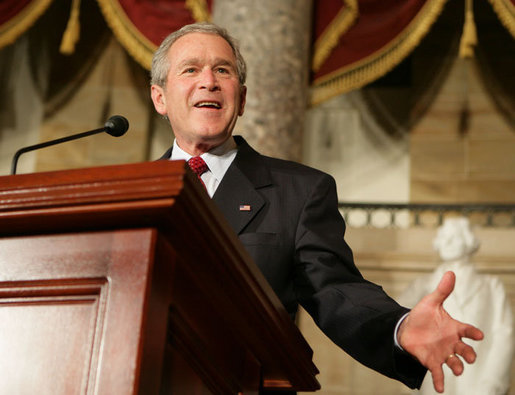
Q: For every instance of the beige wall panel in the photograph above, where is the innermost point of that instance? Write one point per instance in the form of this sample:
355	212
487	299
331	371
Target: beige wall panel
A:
492	159
438	158
463	191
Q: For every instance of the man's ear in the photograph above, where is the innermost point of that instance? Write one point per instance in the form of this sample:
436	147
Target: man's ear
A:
158	98
243	98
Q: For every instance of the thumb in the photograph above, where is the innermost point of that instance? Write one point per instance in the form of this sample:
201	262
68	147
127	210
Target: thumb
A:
444	288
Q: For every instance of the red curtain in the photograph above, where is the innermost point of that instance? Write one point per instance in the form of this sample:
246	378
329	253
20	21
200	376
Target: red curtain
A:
141	25
332	18
10	8
16	16
381	35
158	18
354	43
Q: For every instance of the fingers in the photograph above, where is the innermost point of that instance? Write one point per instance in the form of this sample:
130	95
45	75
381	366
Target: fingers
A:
465	351
444	288
472	333
455	364
446	285
437	374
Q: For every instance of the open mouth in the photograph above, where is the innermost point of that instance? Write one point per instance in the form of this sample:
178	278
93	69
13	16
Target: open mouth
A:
208	104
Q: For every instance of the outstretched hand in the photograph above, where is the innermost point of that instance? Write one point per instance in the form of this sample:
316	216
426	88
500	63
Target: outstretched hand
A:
432	336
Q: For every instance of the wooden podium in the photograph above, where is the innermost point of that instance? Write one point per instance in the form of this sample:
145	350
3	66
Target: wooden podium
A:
126	279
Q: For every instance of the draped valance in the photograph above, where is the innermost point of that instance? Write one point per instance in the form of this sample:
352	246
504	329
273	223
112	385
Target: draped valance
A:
140	26
382	34
16	16
354	41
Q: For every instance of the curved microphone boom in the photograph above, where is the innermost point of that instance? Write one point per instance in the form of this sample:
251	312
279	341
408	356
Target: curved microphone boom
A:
115	126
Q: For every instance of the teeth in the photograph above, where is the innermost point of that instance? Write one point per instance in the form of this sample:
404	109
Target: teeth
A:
208	104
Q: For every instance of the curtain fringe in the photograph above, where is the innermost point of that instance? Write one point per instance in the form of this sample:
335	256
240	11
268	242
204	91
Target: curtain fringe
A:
505	11
18	25
329	38
137	45
199	10
377	64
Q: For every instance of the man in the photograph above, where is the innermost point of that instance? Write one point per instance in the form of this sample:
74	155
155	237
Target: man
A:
286	216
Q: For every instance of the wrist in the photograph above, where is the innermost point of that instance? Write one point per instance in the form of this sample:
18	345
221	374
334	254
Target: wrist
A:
399	329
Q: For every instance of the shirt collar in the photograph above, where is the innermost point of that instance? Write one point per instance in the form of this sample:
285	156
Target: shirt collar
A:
218	159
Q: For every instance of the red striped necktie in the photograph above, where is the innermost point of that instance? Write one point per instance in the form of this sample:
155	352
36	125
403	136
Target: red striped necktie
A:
199	167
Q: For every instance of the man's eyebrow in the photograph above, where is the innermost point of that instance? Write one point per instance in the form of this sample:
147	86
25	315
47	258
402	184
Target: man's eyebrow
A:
196	61
224	62
188	62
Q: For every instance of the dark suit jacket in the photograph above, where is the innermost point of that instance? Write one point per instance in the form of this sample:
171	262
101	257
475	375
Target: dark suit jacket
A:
295	235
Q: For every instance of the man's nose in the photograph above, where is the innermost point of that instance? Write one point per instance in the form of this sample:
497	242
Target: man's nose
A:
209	80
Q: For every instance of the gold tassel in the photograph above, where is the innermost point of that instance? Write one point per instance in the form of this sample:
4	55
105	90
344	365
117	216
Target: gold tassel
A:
328	40
199	10
469	36
72	33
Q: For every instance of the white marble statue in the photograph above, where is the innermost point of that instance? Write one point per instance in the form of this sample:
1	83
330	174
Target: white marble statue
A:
477	299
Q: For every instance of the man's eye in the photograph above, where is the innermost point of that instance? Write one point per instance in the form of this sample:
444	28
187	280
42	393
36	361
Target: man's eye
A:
222	70
189	70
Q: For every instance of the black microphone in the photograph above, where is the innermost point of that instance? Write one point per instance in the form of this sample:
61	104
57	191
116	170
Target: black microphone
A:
115	126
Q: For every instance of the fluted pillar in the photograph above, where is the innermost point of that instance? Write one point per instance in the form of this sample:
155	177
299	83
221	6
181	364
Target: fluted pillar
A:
274	37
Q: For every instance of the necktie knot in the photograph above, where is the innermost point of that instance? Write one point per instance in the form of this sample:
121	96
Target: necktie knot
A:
198	165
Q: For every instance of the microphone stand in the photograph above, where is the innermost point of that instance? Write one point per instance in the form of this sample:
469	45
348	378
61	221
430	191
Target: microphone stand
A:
23	150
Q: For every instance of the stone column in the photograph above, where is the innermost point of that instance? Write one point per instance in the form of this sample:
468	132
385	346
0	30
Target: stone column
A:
274	38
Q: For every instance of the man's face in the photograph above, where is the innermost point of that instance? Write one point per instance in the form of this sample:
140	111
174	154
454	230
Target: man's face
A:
202	96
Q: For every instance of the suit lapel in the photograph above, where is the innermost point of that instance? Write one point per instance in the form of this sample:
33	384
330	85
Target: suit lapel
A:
167	154
237	195
237	198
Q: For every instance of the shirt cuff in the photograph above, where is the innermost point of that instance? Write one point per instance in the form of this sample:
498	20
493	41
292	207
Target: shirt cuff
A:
396	341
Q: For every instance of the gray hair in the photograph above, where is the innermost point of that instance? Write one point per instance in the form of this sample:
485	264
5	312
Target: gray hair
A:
161	65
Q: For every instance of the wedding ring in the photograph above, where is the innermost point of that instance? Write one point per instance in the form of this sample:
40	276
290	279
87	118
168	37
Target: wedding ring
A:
450	356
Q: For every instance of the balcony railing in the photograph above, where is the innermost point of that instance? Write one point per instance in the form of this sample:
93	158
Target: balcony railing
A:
388	215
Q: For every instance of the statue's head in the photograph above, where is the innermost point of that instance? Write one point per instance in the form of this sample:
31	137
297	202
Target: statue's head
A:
455	240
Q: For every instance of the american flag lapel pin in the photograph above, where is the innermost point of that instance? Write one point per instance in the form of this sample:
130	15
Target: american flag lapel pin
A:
245	207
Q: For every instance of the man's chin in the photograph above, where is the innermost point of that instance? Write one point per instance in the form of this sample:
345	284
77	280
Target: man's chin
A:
214	136
208	141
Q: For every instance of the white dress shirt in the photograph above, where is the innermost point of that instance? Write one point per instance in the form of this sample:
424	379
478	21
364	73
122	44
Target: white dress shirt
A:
217	160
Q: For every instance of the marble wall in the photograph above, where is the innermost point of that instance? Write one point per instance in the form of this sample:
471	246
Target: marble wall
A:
275	41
